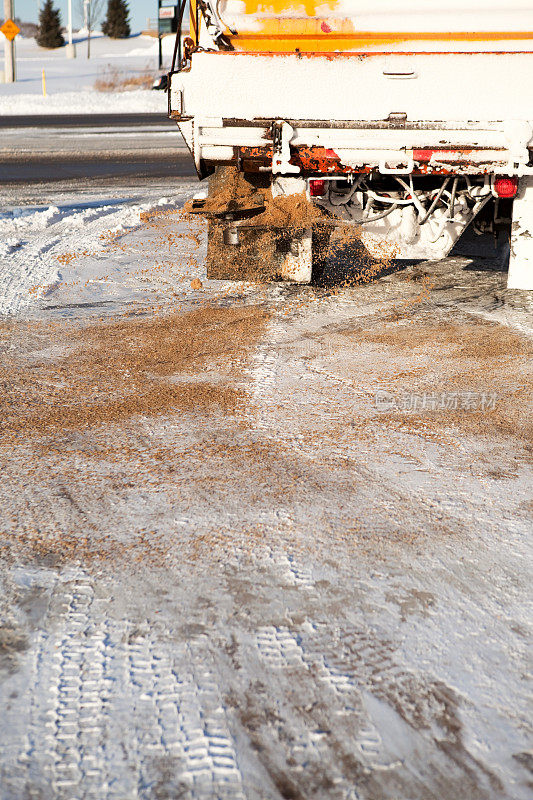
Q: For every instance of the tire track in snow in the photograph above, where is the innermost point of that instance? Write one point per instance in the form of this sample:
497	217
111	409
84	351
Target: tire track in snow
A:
264	368
349	681
115	714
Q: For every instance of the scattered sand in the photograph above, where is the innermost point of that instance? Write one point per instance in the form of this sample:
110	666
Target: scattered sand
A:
266	238
114	371
228	188
465	359
479	341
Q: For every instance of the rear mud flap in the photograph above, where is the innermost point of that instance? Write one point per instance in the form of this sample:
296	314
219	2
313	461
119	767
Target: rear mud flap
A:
521	259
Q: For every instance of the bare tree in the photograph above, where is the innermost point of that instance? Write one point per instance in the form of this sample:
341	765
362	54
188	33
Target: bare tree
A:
91	11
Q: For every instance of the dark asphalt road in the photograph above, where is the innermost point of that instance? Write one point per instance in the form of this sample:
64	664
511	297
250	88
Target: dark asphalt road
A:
68	167
47	149
83	120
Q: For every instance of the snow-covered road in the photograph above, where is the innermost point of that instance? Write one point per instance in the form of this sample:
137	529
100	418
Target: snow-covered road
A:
39	245
257	542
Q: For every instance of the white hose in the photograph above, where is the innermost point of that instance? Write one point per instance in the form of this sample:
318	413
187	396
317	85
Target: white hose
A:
390	200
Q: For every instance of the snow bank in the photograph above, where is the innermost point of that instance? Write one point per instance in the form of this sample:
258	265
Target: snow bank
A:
70	83
86	101
123	214
152	49
34	241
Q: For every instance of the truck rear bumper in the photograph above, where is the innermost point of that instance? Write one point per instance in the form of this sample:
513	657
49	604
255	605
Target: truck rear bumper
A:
335	150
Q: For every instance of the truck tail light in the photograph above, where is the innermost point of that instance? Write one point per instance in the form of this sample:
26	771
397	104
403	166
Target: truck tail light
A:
506	187
317	188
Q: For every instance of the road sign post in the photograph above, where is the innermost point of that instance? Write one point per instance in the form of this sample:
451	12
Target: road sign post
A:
10	30
167	22
70	49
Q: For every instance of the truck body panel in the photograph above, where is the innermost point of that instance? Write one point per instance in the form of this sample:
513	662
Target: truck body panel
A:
355	25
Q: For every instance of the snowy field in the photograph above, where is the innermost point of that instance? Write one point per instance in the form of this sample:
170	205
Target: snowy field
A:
70	82
258	542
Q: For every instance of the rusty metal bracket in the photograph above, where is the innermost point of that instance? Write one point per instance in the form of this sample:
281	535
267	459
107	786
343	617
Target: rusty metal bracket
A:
282	134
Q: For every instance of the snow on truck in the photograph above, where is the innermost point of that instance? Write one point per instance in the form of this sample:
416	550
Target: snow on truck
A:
404	119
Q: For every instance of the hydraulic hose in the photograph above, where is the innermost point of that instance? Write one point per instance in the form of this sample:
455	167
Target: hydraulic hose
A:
347	197
452	198
373	219
433	205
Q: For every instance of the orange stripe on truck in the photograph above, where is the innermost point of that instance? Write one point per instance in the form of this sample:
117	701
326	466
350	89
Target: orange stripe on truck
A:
319	35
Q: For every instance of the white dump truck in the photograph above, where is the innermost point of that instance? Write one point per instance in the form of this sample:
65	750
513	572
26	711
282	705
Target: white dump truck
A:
405	119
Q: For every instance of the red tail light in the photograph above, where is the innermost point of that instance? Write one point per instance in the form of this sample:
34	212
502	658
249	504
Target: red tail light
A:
506	187
317	188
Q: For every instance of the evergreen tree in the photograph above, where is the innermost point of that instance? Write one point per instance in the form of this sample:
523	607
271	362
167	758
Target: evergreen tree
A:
116	25
49	34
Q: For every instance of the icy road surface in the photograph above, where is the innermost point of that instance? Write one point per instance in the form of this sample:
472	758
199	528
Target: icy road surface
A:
257	542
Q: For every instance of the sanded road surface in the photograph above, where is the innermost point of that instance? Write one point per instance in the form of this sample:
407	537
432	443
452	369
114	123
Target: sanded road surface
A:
259	542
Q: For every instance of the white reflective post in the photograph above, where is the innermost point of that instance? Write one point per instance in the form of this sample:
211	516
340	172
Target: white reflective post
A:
70	48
